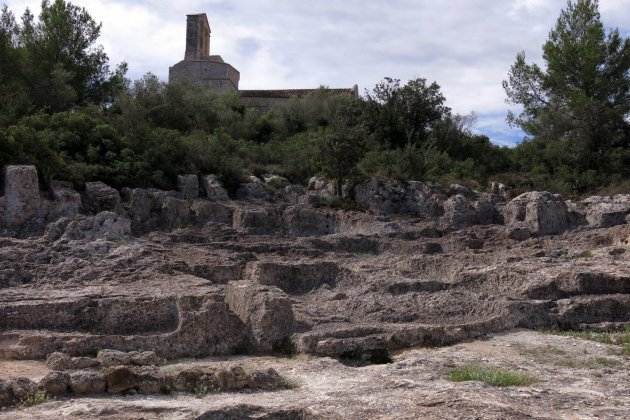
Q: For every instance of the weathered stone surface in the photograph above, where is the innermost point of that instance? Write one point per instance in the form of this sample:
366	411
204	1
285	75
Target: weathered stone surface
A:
380	195
254	190
213	188
87	382
22	388
321	186
188	186
265	310
204	211
67	201
304	221
104	225
60	361
459	212
293	278
259	221
175	213
99	197
109	358
7	398
603	212
55	383
542	213
143	380
22	198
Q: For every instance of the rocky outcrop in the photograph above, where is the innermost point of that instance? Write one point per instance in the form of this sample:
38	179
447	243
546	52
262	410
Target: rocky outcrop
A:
22	202
105	225
259	221
604	212
539	213
188	186
213	188
99	197
305	221
265	310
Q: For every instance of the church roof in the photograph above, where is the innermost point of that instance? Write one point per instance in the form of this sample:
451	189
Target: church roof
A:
291	93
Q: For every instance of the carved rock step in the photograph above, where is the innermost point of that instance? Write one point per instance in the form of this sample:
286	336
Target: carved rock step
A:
293	278
571	313
204	326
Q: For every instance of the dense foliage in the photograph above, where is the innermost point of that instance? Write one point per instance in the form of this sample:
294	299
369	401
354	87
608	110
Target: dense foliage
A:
577	108
64	110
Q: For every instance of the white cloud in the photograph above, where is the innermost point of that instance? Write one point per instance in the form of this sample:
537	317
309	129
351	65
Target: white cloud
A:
467	46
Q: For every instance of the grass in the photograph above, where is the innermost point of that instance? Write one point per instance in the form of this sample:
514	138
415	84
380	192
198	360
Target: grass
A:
490	376
35	398
620	338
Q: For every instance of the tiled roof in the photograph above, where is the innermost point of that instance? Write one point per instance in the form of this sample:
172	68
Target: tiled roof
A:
290	93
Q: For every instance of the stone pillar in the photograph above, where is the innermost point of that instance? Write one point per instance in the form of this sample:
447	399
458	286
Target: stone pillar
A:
21	193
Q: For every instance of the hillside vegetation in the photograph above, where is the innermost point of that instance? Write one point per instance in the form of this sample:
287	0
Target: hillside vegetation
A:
64	109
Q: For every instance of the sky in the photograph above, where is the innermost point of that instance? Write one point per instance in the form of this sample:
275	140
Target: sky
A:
466	46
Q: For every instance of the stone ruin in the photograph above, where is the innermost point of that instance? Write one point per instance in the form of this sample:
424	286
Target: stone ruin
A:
108	292
201	68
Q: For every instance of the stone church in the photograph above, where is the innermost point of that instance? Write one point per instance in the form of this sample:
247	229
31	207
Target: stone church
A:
201	68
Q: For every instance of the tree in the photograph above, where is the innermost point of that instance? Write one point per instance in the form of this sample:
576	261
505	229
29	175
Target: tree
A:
55	60
342	144
401	115
581	97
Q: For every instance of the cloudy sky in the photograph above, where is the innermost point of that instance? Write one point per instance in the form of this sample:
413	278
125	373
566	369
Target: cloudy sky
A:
467	46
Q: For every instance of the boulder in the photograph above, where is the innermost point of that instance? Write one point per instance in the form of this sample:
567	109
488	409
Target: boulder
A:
380	195
61	361
258	221
204	211
188	186
265	310
499	189
99	197
420	200
541	213
87	382
254	190
146	358
603	212
321	186
275	182
304	221
7	398
459	212
22	388
67	201
109	358
213	188
22	198
56	229
175	213
55	383
105	225
122	379
140	206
